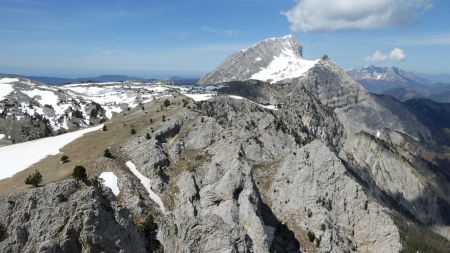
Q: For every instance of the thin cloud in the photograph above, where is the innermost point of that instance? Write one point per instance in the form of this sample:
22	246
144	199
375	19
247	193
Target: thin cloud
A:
376	56
442	39
226	32
335	15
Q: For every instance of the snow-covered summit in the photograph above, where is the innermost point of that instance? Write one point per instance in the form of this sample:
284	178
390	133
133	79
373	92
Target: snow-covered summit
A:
272	60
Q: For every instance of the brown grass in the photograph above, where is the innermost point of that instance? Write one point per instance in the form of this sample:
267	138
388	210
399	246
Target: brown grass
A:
87	149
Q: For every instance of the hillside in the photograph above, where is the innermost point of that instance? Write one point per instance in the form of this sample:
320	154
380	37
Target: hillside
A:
300	159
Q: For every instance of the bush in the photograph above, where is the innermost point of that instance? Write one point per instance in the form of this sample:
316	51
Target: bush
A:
133	131
65	159
61	198
3	232
107	153
161	173
311	236
166	103
34	179
148	136
96	182
79	173
164	118
105	128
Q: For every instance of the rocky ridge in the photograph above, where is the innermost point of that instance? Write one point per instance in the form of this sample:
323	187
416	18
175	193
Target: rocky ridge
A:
306	164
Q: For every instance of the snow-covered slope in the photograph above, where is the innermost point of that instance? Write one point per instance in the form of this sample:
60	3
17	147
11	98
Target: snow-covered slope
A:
31	110
272	60
15	158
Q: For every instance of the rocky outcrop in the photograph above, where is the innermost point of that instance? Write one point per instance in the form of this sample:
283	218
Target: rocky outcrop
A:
33	110
412	187
227	186
311	192
67	217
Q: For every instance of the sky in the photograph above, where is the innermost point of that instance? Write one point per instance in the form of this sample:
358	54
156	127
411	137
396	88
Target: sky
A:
161	38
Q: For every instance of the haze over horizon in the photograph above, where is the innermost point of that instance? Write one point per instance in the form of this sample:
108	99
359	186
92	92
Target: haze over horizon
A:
190	38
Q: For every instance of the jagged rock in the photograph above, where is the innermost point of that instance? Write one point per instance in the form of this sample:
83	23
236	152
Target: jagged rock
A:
67	217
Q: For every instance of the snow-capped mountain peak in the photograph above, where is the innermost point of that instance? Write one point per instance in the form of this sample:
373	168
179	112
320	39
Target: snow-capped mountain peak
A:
272	60
379	79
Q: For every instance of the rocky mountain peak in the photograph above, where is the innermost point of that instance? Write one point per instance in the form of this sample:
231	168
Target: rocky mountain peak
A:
272	60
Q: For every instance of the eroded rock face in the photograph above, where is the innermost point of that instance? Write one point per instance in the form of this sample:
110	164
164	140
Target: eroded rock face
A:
67	217
233	184
356	108
413	187
312	192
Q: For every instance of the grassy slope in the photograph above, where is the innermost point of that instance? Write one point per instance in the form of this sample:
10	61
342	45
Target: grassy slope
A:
89	148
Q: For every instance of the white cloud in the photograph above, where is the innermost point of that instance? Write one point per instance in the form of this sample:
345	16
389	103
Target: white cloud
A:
334	15
376	56
396	54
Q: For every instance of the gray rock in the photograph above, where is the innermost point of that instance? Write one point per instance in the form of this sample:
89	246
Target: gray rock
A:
67	217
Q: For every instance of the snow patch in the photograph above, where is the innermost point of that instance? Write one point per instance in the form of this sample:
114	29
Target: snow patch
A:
378	134
18	157
200	97
285	66
258	59
6	87
2	136
271	107
110	181
236	97
145	181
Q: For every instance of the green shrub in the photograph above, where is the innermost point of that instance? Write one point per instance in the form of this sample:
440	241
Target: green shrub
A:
107	153
3	232
34	179
148	136
105	128
311	236
96	182
61	198
133	131
79	173
166	103
64	159
149	226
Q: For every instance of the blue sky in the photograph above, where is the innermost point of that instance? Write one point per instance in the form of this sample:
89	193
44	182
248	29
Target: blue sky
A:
160	38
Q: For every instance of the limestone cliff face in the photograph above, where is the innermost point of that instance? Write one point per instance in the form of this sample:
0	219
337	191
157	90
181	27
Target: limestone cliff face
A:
239	179
413	187
67	217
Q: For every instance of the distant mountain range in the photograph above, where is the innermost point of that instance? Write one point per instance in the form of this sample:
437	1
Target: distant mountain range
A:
402	84
51	80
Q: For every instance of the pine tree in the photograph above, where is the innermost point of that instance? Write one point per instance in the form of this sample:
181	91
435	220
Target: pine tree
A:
166	103
79	173
34	179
